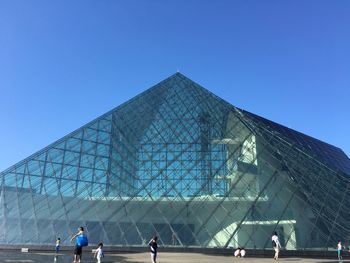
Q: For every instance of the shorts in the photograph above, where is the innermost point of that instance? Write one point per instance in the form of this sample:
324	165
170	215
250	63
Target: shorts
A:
78	250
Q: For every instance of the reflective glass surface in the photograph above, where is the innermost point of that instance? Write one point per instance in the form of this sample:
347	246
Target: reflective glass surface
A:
178	162
329	154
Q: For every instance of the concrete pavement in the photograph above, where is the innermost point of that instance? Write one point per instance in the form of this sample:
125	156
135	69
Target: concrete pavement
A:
166	257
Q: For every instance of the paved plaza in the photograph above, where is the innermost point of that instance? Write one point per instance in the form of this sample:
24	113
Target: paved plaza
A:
38	257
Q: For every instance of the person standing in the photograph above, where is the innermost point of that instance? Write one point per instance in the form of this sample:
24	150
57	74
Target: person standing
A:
57	247
99	253
276	245
78	250
153	247
339	250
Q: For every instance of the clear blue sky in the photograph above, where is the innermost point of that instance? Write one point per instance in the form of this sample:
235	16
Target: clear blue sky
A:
64	63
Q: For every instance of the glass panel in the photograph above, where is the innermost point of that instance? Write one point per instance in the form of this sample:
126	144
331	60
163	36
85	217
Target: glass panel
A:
184	164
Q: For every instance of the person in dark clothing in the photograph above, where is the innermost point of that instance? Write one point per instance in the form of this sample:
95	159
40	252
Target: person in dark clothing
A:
153	248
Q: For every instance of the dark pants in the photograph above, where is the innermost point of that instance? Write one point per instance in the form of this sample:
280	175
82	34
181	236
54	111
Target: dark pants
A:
78	250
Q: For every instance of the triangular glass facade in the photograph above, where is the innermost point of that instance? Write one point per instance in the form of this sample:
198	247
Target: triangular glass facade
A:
179	162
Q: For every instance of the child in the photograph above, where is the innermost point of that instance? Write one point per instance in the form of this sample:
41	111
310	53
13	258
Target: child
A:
238	252
58	242
339	247
99	253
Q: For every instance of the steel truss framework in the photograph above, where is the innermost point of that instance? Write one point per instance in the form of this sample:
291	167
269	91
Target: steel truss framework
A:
179	162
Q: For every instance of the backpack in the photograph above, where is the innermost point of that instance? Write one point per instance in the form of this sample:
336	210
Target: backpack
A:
274	243
82	241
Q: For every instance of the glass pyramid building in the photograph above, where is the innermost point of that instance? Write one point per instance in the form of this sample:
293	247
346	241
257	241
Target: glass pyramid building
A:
179	162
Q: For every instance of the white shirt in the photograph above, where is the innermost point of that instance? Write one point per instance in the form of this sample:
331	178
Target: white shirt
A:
237	252
99	252
275	238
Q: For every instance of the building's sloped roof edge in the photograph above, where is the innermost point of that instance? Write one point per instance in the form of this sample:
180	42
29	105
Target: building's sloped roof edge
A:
325	152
